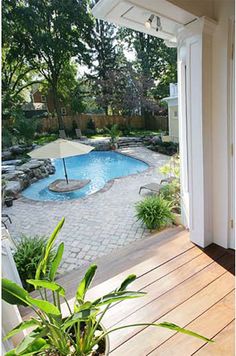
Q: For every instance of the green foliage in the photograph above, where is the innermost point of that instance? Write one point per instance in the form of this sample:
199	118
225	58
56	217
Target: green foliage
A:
45	139
114	133
27	257
166	148
153	59
171	191
51	33
25	128
154	212
80	333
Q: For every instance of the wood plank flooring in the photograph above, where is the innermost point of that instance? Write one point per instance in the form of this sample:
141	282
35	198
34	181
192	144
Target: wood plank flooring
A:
185	285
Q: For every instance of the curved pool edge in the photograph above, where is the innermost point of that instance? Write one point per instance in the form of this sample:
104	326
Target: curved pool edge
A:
104	189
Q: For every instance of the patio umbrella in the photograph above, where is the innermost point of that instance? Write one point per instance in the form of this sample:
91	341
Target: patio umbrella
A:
61	149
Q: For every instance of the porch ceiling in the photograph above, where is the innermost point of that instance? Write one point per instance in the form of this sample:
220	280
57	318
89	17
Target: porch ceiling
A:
133	14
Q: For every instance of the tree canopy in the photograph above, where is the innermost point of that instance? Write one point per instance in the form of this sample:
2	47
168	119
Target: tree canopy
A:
48	41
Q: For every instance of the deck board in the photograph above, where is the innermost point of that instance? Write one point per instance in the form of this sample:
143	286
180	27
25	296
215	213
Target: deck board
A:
209	323
224	344
185	285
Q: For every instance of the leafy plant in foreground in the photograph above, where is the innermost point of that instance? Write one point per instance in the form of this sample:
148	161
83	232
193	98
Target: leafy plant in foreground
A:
80	332
154	212
28	254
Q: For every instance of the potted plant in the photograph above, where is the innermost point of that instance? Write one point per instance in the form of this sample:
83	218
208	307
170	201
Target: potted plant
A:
114	133
79	331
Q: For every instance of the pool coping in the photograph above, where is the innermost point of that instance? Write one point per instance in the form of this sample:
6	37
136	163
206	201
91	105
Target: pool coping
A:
104	189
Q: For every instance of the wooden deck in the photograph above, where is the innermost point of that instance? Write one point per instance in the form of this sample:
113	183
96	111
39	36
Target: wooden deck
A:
185	285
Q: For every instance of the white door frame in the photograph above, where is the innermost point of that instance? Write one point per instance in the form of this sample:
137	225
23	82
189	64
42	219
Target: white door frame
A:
231	134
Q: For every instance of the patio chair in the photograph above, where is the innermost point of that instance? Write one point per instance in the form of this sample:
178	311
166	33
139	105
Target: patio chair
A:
62	134
155	187
5	218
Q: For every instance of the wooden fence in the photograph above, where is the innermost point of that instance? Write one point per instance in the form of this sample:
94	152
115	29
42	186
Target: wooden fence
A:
50	124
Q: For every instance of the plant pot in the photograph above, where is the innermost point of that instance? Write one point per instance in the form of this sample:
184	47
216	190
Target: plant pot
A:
9	202
107	342
177	219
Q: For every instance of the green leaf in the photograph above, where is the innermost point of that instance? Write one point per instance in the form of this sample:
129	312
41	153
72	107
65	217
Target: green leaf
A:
12	293
46	284
56	261
117	296
43	264
182	330
85	283
126	282
38	346
45	306
83	315
22	326
29	341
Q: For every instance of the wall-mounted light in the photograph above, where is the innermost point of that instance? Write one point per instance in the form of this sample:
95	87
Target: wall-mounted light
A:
158	24
148	23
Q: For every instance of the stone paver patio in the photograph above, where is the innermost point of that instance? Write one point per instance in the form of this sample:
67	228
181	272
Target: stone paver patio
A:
96	225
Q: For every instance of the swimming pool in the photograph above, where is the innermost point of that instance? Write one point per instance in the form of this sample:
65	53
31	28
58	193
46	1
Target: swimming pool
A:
98	166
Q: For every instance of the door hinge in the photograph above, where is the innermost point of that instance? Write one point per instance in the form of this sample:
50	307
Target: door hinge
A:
231	223
232	53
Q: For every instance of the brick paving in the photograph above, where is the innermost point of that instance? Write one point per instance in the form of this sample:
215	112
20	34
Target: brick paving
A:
95	225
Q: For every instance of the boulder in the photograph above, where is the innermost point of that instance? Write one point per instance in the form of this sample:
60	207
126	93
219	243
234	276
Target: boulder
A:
6	155
13	162
13	188
8	169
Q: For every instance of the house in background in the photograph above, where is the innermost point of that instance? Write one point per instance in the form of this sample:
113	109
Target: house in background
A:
173	122
42	104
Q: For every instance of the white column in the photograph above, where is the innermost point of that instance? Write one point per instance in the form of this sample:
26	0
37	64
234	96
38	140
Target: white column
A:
195	65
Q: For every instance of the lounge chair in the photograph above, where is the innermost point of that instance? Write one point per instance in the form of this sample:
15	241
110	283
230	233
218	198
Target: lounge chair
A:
6	218
155	187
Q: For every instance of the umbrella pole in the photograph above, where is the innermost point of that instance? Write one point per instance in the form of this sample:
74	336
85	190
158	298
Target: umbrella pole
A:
64	164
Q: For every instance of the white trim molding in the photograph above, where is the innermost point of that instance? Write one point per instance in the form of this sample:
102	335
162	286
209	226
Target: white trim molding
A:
195	66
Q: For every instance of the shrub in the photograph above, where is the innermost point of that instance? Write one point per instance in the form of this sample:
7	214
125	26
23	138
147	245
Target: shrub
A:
114	133
154	212
171	191
167	148
91	125
27	257
45	139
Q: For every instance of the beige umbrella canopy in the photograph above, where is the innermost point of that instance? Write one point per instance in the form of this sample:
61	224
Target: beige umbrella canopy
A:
61	149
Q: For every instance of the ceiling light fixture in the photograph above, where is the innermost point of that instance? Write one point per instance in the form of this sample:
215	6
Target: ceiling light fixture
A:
148	23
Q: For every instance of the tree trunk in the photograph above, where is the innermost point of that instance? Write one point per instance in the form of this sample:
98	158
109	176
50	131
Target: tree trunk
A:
57	107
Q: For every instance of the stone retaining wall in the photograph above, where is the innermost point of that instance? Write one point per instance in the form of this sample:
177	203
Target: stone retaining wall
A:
17	177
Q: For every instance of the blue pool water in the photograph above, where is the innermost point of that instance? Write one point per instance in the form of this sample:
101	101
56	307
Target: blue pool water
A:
99	167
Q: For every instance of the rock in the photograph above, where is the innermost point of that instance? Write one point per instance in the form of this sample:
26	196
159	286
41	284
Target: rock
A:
32	164
19	177
16	150
13	188
155	140
8	169
6	155
13	162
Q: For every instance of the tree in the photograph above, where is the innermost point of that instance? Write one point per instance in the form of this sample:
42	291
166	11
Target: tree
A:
107	56
54	31
126	92
17	73
153	59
